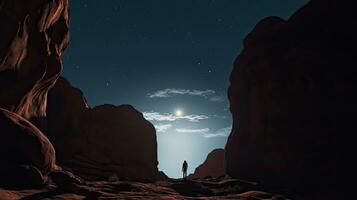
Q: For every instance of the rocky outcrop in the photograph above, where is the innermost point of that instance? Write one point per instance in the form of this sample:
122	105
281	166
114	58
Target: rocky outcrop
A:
27	156
96	142
162	176
293	100
99	142
33	36
213	166
102	142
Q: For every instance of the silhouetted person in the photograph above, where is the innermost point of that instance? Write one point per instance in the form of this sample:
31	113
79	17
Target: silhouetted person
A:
184	169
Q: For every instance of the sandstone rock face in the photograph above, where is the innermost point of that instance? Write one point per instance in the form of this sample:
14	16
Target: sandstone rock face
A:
101	142
33	37
293	100
213	166
27	156
7	195
66	110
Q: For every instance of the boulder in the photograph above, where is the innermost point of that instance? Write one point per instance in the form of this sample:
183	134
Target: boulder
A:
293	100
27	156
103	141
33	37
213	166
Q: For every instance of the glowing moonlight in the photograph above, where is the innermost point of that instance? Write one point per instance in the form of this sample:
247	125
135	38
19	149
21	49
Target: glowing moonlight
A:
178	112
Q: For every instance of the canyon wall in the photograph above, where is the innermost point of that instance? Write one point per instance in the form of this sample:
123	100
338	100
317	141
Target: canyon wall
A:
293	100
96	143
33	36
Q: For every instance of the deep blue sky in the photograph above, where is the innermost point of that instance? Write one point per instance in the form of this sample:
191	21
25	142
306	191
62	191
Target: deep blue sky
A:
162	56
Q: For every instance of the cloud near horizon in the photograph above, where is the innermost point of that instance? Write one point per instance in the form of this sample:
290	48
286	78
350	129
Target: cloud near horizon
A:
223	132
170	92
162	128
155	116
205	132
184	130
216	99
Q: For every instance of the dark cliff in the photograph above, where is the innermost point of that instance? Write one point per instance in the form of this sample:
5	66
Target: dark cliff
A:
293	101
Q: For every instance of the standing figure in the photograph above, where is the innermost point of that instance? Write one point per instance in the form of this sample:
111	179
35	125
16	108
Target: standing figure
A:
184	169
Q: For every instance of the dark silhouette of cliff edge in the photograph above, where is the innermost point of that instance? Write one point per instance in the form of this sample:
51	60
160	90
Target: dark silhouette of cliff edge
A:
293	93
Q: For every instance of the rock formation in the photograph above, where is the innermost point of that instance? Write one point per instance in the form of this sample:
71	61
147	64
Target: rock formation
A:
293	100
27	156
33	37
213	166
100	142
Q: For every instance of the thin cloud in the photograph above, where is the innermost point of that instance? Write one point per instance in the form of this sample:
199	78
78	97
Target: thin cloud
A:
155	116
170	92
219	116
223	132
162	128
216	99
184	130
205	132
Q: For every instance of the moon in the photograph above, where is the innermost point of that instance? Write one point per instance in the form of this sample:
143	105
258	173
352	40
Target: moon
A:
179	112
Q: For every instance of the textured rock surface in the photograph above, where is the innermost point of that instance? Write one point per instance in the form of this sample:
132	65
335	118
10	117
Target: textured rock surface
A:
26	154
8	195
101	142
213	166
174	189
33	37
293	101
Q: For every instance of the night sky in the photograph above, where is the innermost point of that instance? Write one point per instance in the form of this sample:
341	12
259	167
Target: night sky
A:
170	59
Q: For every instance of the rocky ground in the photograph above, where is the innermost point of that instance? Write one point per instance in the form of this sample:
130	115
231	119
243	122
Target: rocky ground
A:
209	188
